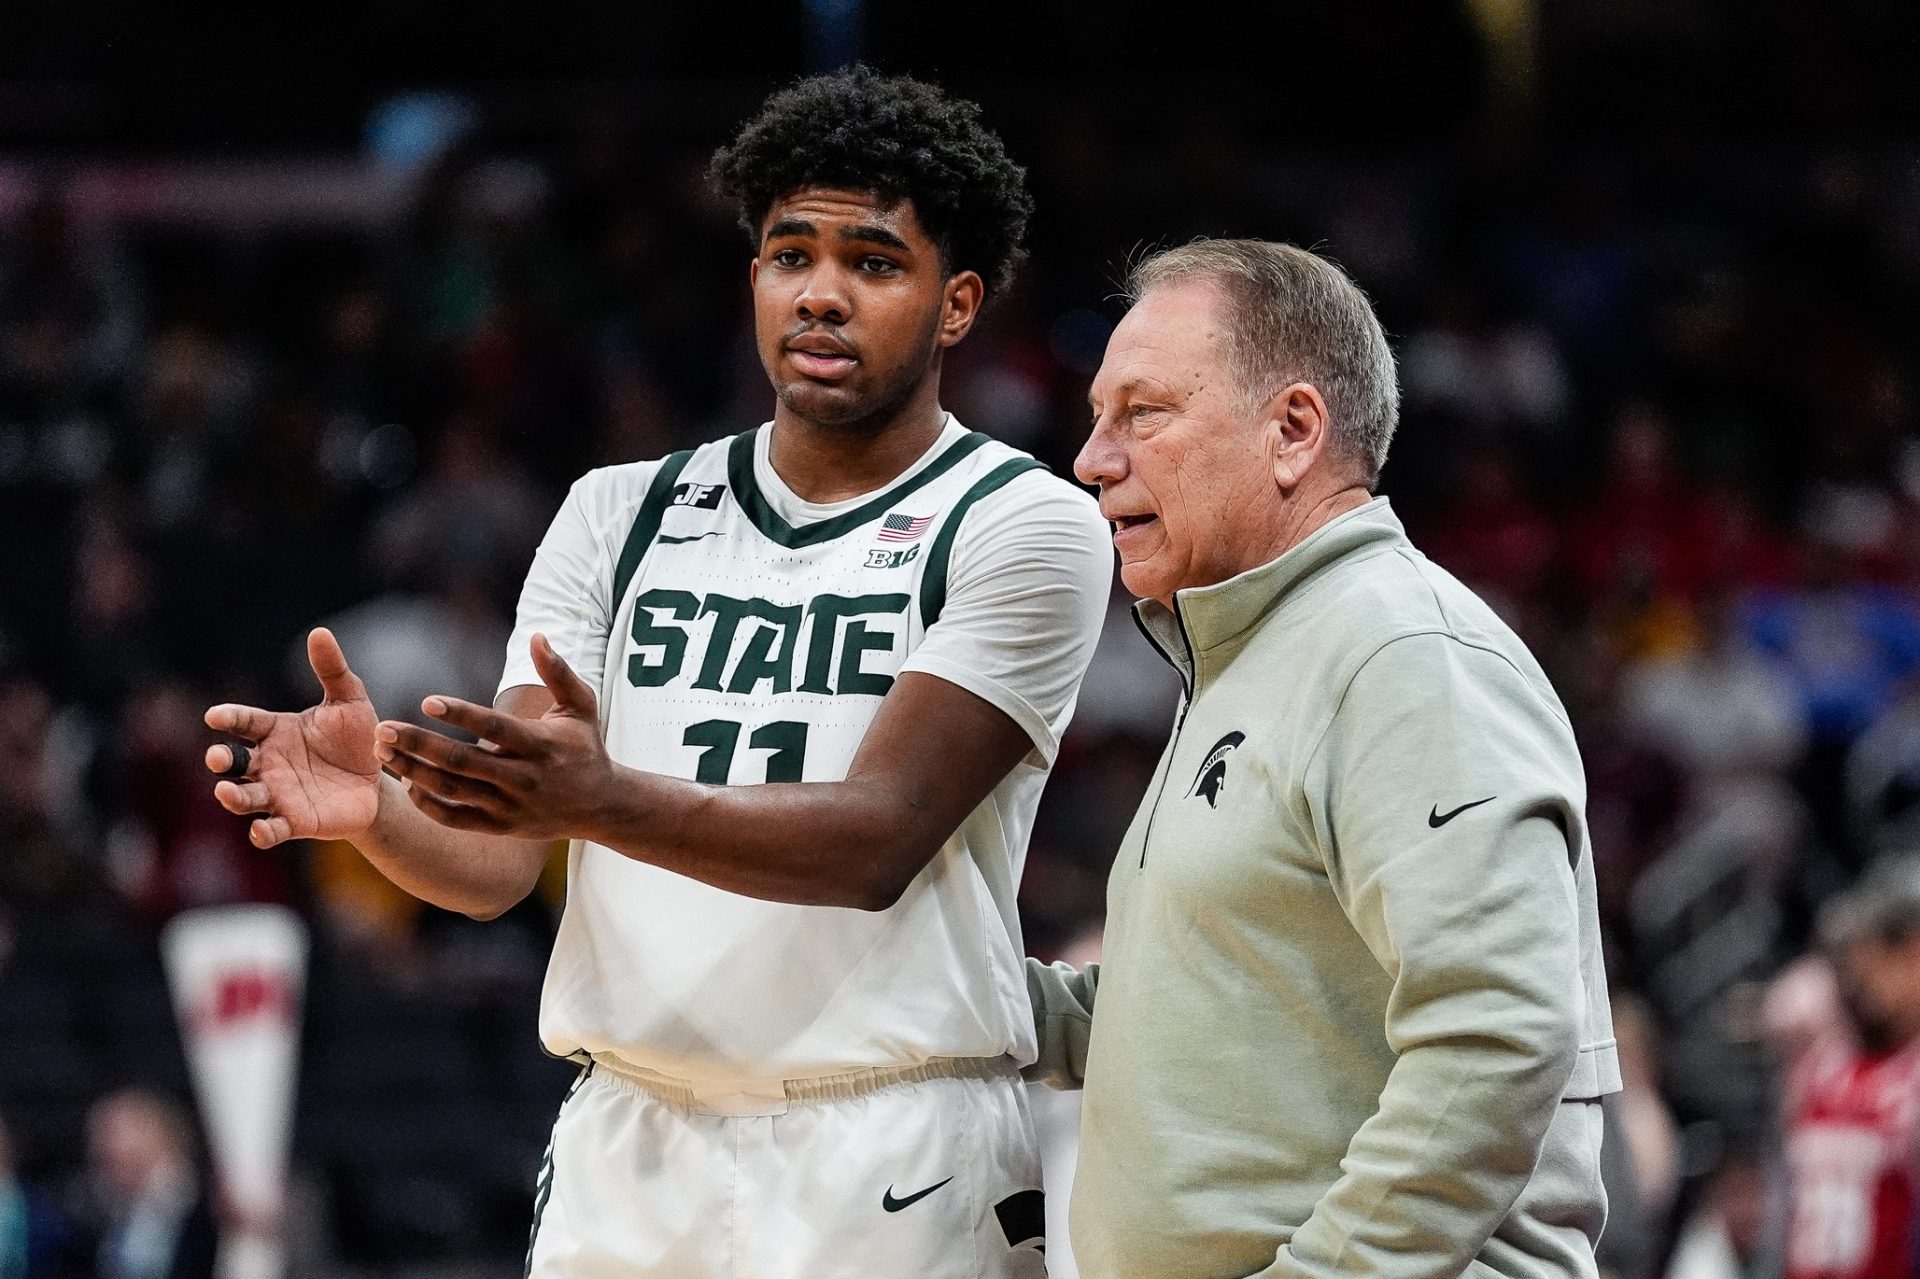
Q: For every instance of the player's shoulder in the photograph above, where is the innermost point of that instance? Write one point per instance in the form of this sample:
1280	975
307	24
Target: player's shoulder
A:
1391	591
1006	483
609	496
625	479
1408	623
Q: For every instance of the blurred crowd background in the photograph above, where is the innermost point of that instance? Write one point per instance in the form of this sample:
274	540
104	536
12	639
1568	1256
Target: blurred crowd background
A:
327	347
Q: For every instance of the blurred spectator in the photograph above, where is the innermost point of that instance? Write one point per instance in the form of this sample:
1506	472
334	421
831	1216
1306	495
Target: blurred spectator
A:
38	861
1627	1246
1638	543
1494	537
1001	387
1846	645
69	310
177	848
1572	264
34	1237
474	513
1853	1100
148	1209
1740	549
366	913
115	645
1477	370
1648	1136
1708	931
1718	706
1862	407
1883	779
1733	1234
1802	1008
1635	794
406	644
360	375
196	387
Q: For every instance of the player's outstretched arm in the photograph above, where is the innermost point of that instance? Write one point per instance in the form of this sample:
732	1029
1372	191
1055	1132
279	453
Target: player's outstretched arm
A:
932	754
313	774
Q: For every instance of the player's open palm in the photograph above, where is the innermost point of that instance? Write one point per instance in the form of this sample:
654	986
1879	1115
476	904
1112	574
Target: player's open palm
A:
312	773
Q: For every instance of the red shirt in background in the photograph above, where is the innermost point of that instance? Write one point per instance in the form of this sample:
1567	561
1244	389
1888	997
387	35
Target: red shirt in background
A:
1853	1151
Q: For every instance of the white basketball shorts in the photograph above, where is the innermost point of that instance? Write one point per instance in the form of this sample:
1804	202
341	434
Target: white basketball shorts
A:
927	1172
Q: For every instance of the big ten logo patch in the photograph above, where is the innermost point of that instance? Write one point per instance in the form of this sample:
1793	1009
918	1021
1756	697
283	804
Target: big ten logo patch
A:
704	496
880	557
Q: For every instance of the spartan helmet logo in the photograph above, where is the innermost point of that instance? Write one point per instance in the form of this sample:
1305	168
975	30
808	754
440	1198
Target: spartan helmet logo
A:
1212	777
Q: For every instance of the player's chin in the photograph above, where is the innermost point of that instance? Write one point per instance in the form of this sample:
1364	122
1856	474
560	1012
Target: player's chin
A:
827	403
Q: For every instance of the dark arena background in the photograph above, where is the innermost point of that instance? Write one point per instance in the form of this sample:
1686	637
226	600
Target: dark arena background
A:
310	315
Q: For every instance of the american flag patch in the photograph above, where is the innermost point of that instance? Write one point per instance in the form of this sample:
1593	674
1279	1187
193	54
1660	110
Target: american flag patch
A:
903	528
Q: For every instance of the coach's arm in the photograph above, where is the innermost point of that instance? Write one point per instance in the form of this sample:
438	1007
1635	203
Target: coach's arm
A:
1477	926
1062	998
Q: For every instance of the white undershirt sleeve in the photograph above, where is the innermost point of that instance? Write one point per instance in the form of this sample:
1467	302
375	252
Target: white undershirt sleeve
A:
1026	595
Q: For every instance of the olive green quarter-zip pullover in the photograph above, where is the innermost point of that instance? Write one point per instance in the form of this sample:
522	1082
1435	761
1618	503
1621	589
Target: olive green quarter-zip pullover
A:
1352	1017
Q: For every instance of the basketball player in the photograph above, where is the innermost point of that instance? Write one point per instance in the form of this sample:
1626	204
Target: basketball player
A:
1853	1100
792	697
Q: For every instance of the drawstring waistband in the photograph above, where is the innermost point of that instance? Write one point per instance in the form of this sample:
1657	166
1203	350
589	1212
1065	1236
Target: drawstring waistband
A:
773	1096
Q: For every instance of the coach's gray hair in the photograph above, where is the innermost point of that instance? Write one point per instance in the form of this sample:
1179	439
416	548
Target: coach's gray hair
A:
1293	316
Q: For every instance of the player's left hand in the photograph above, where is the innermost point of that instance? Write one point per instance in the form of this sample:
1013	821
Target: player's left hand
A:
537	779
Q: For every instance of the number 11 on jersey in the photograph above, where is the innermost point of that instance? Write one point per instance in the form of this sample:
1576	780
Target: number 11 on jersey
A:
719	738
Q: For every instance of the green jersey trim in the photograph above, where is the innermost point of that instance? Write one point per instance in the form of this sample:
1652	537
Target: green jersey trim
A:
646	523
933	580
746	491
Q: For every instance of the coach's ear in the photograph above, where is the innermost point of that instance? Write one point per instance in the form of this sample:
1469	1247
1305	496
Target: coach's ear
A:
1297	430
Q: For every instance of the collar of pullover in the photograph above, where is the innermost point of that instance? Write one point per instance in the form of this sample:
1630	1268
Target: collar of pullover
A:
1212	615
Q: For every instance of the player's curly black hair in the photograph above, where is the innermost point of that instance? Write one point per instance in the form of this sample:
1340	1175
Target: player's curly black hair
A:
895	137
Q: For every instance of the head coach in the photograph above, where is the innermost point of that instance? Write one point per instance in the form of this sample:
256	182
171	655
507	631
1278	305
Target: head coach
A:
1352	1018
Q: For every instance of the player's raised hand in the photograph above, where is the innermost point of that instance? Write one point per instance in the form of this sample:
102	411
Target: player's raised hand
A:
311	774
572	698
544	778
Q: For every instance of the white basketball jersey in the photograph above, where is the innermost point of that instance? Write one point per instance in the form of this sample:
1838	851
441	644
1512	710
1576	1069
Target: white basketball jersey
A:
732	644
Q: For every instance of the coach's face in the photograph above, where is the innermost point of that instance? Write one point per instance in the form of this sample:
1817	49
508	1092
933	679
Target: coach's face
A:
853	305
1186	469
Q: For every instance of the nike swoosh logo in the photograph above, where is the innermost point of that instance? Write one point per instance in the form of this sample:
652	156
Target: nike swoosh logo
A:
1437	819
675	541
891	1204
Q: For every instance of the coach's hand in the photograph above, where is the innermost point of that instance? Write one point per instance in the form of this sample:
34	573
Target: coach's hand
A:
546	778
311	773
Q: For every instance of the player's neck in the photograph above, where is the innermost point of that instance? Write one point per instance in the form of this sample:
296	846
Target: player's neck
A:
833	463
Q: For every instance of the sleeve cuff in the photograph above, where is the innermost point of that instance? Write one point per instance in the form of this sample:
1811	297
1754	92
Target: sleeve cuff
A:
1017	708
517	674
